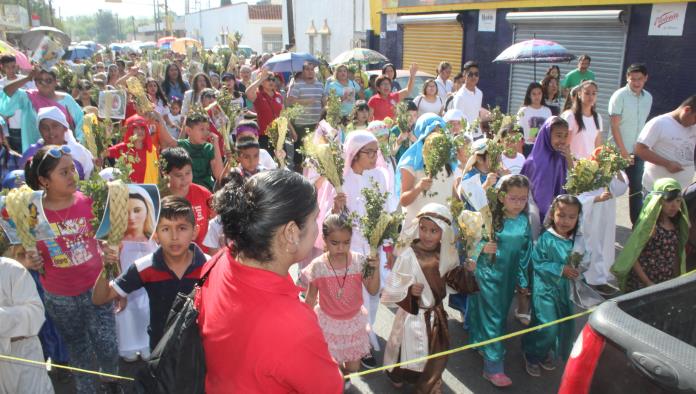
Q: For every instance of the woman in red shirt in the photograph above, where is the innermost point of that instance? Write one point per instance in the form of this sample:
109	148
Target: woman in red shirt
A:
267	103
382	104
257	335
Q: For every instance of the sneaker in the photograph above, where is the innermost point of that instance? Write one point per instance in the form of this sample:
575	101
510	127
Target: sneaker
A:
548	364
498	379
111	388
606	289
532	369
145	355
368	362
130	357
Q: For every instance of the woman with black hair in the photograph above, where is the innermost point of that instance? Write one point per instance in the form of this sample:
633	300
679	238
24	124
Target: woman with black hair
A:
193	96
71	263
174	85
390	71
257	334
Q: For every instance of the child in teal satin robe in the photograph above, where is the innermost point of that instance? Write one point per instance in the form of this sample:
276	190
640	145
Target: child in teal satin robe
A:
487	311
551	291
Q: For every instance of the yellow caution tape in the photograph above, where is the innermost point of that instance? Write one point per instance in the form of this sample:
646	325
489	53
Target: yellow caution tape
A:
470	346
49	365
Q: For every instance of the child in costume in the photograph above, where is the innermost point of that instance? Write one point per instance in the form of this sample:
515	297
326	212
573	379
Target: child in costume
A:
551	295
142	147
487	311
417	285
547	166
655	251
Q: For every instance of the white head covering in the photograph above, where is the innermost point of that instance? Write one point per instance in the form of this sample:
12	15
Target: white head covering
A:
357	140
453	114
52	113
440	215
378	128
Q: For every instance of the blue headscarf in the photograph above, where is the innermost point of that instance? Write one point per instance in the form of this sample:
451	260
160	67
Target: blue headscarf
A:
413	157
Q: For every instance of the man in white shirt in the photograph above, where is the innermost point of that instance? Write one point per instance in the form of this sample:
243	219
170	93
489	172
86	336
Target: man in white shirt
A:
469	98
444	85
667	144
9	67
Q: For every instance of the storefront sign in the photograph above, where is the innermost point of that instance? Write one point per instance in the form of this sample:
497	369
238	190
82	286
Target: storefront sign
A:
391	22
486	20
667	19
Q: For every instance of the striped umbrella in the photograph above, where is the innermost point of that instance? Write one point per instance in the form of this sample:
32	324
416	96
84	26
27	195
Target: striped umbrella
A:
359	55
534	51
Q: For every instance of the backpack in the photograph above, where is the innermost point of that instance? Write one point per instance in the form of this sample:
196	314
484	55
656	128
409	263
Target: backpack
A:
177	364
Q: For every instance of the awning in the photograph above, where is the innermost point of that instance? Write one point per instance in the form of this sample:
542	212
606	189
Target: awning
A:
426	19
601	16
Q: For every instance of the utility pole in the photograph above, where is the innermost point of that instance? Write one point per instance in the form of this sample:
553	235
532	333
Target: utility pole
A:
50	11
154	8
118	28
167	31
133	21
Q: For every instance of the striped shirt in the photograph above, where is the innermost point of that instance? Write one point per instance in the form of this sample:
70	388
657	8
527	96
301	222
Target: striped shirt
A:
302	90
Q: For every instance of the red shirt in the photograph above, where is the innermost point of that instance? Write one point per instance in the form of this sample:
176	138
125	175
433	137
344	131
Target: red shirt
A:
72	260
258	336
267	109
200	198
382	108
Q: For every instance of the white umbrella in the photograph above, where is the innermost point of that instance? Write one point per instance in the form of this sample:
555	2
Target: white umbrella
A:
32	38
359	55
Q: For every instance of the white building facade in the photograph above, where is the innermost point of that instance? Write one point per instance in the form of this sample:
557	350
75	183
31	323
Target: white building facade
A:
260	25
327	27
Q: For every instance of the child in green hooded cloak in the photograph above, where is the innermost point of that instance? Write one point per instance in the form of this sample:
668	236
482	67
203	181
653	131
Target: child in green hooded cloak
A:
655	251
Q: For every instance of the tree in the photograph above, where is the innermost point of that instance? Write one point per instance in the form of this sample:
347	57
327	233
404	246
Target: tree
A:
225	2
106	33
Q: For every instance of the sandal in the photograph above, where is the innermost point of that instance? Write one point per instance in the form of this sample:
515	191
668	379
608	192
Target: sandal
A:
523	318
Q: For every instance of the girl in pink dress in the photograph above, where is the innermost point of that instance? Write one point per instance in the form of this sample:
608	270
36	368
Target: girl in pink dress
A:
336	277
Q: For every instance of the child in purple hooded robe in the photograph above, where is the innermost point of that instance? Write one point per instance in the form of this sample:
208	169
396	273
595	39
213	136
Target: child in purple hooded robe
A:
547	166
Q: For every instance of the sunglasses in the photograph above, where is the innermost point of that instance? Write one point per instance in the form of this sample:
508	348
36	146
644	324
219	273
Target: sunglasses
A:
55	153
472	74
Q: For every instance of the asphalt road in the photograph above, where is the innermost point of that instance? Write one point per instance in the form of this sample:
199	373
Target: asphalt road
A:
464	369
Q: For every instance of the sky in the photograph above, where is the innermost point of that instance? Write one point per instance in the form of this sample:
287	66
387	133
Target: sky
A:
126	8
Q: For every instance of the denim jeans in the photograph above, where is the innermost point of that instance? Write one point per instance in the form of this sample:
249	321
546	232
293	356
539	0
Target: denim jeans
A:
635	188
89	332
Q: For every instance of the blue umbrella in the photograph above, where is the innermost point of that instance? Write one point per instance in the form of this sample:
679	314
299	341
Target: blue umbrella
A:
289	62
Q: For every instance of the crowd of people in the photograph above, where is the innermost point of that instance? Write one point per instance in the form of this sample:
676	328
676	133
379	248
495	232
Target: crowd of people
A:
263	330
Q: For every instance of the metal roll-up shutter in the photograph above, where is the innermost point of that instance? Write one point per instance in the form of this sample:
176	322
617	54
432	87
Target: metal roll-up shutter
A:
430	44
604	39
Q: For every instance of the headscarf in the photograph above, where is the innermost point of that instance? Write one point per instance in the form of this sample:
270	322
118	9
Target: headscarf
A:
453	114
55	113
413	157
378	128
440	215
151	173
546	169
355	141
645	227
